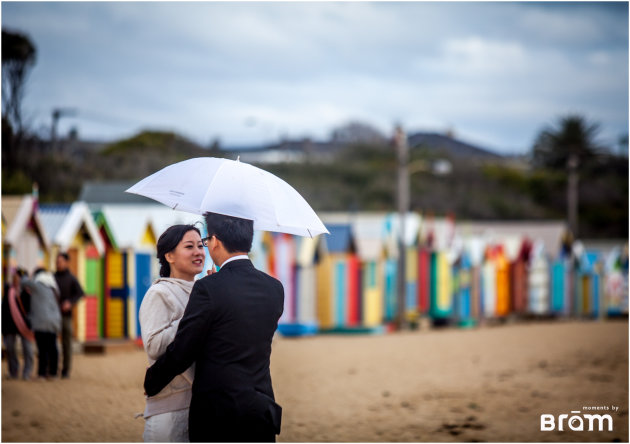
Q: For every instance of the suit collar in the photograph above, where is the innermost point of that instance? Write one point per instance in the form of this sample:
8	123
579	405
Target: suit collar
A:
239	263
234	258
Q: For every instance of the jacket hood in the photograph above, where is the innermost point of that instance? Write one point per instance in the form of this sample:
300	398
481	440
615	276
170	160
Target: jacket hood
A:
46	278
181	283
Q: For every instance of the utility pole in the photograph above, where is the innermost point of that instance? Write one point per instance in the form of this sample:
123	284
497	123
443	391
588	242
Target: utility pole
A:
572	194
402	198
57	113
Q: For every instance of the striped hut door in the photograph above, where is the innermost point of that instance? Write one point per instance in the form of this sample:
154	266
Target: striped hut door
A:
354	273
557	287
424	286
143	282
118	290
283	268
92	284
341	288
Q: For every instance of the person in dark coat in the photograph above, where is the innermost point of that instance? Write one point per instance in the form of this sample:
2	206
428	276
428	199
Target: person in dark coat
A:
226	331
70	292
10	332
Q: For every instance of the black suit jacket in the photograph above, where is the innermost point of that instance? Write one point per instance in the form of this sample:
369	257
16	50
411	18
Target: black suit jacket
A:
226	330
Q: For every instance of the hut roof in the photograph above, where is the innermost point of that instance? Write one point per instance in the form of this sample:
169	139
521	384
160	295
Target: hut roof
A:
17	212
392	228
62	223
127	224
340	239
548	232
369	229
307	250
96	194
10	207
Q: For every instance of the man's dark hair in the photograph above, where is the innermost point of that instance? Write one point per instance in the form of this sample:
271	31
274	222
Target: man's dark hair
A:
236	234
64	255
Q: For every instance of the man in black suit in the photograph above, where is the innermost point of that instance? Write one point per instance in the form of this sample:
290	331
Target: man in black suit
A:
226	331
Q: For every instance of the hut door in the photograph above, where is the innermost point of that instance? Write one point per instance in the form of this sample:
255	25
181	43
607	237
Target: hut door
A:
143	282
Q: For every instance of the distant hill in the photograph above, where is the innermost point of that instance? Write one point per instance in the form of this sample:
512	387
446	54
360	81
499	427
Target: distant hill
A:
157	142
299	150
443	143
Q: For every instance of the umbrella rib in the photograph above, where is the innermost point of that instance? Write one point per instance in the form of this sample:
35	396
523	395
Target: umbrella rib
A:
210	186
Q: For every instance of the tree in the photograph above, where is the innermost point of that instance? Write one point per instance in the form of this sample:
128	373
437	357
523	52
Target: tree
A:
571	147
573	137
356	133
18	57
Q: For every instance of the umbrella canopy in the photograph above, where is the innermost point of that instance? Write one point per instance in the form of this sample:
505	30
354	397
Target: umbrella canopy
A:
232	188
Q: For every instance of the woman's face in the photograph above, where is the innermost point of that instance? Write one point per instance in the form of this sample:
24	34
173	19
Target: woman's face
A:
187	259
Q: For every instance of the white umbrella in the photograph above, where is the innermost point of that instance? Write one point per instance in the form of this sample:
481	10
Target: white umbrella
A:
232	188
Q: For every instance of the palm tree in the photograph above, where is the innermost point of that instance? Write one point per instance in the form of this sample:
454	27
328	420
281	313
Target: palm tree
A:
570	146
573	137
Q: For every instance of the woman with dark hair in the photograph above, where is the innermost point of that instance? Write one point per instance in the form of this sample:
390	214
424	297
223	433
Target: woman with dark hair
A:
181	255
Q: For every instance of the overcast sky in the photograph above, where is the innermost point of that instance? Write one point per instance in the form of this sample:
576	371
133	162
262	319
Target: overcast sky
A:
249	73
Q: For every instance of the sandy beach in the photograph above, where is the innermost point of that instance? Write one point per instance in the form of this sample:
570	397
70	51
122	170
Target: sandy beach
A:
490	383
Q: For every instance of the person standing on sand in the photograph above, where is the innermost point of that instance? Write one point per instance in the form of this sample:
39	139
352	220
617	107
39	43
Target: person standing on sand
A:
70	292
181	256
226	331
45	319
16	319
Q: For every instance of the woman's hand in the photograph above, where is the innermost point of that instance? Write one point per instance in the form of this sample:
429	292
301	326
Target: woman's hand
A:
211	270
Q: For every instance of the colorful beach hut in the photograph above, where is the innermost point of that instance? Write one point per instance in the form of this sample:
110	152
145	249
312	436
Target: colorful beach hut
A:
560	286
489	286
261	251
391	239
304	321
616	282
474	247
368	231
284	269
71	229
441	298
502	267
462	280
587	300
338	280
111	275
538	281
131	269
24	239
519	263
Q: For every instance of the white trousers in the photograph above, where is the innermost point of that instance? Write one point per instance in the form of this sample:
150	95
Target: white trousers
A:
167	427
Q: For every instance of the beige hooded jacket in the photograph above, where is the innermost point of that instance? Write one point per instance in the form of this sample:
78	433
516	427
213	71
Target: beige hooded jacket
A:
160	312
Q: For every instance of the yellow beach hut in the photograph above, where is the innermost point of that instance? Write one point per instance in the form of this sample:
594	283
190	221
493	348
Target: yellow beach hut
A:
131	270
370	244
